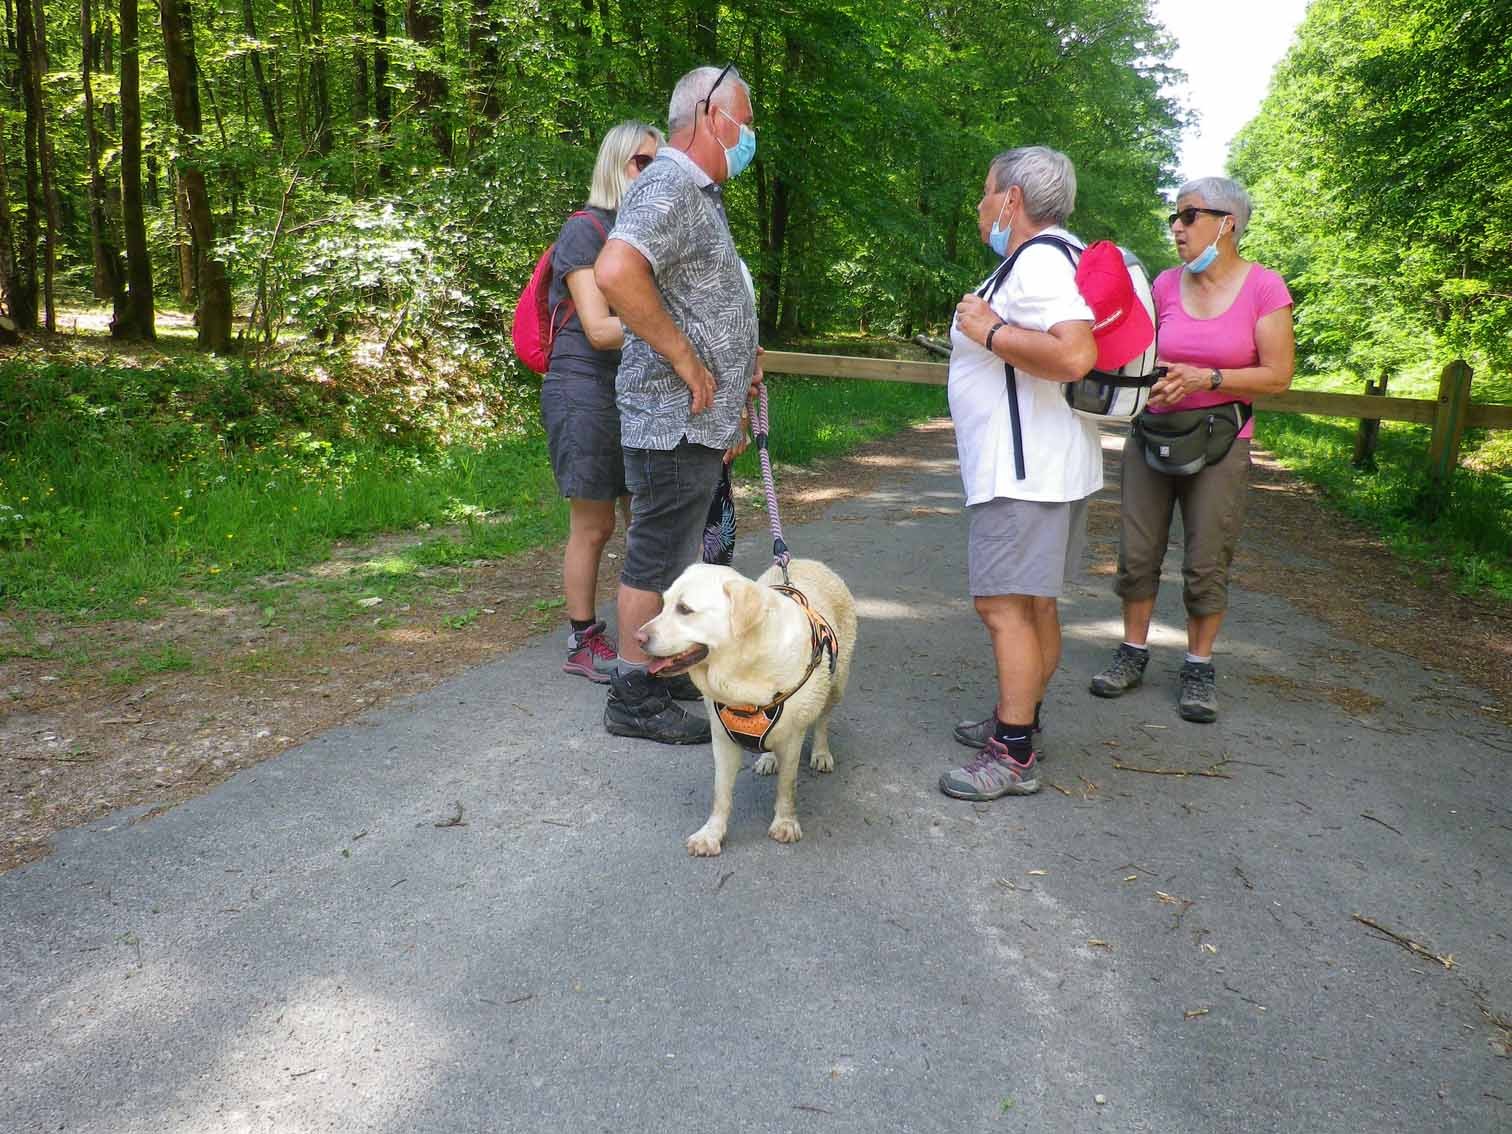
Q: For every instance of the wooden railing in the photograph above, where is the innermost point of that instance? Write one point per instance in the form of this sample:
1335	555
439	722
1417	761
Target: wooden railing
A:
1450	414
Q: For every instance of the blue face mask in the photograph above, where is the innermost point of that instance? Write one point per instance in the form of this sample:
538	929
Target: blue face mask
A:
997	239
1205	258
738	156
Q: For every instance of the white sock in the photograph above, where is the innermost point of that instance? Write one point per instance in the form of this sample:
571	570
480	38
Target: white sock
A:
1142	649
1195	660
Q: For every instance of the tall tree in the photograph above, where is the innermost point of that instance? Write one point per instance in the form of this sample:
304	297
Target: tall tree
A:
47	163
422	23
319	83
110	273
23	294
137	321
212	285
264	89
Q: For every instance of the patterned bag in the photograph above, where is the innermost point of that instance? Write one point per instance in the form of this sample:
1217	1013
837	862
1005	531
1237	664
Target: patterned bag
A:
719	531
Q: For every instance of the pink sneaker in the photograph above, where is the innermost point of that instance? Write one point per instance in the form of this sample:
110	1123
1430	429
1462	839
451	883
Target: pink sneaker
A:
993	774
591	653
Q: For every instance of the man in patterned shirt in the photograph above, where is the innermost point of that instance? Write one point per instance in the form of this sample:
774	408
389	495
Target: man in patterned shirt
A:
671	273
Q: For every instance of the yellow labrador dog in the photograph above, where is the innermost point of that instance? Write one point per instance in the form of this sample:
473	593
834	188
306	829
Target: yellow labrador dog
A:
771	662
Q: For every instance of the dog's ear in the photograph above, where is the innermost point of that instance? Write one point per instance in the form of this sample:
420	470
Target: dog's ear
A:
746	606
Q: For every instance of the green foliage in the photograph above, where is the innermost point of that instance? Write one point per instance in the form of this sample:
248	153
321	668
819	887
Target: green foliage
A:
1471	539
413	220
1384	180
121	486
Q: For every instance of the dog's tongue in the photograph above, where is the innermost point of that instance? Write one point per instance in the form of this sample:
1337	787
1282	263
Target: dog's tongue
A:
656	665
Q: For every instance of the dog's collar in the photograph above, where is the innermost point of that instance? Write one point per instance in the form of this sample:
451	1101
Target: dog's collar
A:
749	725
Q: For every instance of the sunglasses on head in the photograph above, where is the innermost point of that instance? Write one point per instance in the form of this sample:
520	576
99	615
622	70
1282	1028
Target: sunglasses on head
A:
706	98
640	161
1189	214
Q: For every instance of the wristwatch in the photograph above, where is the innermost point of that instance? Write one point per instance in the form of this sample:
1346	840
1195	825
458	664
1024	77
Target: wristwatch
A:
1216	380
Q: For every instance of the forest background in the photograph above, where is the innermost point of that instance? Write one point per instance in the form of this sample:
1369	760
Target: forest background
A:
348	195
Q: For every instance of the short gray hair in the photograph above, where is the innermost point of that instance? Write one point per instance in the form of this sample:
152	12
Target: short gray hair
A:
609	180
1221	193
1046	177
693	88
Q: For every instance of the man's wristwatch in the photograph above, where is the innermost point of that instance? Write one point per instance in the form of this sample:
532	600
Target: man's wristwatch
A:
995	329
1216	379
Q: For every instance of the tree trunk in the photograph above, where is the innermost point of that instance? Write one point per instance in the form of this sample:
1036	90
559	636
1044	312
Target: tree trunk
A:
138	322
23	295
7	237
46	163
264	91
423	25
382	100
483	58
703	31
110	273
321	87
213	309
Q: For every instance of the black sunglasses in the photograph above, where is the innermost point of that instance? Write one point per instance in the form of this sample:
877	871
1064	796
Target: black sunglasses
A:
640	161
1189	214
715	87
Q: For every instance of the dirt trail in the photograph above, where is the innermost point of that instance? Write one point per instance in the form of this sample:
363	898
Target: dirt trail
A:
86	727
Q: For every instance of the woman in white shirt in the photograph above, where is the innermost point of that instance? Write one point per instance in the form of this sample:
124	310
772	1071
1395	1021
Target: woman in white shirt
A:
1027	462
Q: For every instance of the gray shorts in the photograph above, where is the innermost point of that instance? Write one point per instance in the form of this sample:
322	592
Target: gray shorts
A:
583	436
1024	547
670	492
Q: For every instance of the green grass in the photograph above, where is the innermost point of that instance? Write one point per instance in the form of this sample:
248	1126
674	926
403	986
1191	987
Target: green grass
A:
123	486
1471	538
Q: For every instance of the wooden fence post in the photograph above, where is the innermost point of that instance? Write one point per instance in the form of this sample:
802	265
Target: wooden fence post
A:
1370	428
1448	429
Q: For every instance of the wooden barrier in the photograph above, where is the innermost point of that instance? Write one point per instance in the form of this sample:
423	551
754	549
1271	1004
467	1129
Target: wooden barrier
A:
1418	410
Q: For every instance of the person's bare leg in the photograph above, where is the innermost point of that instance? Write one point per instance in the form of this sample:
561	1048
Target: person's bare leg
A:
1202	633
1014	631
1137	614
636	608
591	523
1047	628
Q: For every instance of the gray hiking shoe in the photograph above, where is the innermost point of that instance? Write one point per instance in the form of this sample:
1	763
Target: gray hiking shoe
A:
640	705
1125	672
975	734
993	774
1199	692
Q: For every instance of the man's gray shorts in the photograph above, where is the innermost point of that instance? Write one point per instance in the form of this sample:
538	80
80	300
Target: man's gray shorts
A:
670	493
1024	547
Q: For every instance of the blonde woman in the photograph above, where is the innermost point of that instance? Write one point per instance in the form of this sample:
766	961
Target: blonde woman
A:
577	394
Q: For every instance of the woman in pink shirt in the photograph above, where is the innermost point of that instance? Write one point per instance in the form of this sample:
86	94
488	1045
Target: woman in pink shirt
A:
1224	327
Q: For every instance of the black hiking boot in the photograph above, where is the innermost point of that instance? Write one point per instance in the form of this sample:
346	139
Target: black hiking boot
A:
639	705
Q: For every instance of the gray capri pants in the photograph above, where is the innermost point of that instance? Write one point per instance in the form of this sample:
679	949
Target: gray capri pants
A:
670	492
1212	512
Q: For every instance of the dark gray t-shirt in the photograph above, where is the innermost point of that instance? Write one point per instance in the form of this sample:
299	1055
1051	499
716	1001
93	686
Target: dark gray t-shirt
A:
578	246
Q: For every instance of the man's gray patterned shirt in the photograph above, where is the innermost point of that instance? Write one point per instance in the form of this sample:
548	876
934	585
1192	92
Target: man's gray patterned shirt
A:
678	225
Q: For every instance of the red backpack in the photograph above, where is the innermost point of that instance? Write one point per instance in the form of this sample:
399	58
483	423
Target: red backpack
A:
535	322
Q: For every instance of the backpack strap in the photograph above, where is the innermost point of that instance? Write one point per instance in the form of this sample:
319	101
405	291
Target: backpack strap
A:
987	291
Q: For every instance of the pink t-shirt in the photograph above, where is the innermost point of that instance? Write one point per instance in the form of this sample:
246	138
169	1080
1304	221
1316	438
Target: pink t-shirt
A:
1225	342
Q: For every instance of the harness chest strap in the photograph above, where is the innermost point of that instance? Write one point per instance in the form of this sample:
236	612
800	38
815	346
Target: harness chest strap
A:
749	725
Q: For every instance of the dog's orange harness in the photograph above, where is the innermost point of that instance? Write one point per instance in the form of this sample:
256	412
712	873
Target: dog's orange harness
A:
749	725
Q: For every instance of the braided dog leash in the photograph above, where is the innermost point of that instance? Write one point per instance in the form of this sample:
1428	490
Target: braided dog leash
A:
780	553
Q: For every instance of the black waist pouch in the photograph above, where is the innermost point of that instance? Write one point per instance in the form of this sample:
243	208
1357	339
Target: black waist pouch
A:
1186	442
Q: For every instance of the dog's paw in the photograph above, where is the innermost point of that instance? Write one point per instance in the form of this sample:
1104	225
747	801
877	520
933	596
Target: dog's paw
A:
765	764
785	830
821	761
704	843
